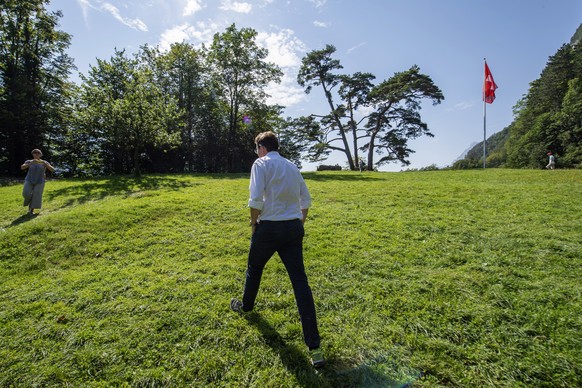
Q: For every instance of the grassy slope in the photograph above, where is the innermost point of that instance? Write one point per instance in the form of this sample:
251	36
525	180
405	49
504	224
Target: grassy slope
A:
465	278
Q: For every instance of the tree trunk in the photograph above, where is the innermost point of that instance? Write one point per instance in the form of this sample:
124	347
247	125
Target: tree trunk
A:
341	130
371	151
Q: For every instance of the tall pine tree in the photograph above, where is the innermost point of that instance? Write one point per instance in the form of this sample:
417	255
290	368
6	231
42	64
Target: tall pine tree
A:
34	69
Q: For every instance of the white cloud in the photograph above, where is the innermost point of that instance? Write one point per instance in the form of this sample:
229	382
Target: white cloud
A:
235	6
85	6
176	34
285	50
319	3
287	93
136	24
364	111
317	23
352	49
192	6
462	105
196	34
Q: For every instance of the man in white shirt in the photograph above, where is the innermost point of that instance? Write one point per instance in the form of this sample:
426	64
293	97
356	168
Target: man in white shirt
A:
279	203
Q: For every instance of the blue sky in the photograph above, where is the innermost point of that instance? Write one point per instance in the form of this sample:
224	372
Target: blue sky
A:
448	39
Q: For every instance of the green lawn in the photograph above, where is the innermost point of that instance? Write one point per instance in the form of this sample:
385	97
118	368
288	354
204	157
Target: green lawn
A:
445	278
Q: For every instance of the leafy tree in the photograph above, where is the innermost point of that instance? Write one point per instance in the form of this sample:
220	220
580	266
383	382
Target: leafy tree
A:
127	111
34	87
317	69
296	135
69	152
546	93
147	115
546	120
354	90
183	73
396	117
466	164
101	87
240	74
569	124
394	107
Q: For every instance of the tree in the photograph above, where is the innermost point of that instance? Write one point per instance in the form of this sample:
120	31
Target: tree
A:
317	69
396	116
569	124
548	117
70	152
182	72
389	110
354	91
240	74
34	87
127	111
296	135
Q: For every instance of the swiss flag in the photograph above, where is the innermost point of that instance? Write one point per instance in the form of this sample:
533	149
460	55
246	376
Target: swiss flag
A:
489	86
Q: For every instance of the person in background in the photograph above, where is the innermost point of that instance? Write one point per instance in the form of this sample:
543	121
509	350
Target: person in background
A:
279	203
34	181
551	161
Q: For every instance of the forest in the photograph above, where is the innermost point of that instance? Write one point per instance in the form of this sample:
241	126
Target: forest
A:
188	109
198	109
175	111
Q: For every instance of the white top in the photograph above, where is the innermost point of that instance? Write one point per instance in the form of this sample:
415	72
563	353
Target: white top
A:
277	189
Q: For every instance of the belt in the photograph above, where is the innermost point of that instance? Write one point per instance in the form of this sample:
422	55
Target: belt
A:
268	221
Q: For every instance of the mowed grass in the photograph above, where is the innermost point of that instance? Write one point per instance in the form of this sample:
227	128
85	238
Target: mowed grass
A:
445	278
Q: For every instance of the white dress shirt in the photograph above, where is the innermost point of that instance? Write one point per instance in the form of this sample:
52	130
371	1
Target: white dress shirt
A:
277	189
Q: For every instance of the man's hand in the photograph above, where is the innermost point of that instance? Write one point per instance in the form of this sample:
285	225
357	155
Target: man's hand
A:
254	218
304	215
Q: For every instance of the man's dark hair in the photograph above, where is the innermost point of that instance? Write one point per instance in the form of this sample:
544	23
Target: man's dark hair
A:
268	140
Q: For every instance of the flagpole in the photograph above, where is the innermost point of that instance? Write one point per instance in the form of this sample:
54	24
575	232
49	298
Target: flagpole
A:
489	87
484	130
484	121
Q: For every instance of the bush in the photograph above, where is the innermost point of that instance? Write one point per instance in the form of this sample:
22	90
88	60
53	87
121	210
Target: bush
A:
324	167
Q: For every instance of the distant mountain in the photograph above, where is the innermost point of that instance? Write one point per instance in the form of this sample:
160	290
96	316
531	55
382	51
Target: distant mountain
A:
464	154
577	36
495	145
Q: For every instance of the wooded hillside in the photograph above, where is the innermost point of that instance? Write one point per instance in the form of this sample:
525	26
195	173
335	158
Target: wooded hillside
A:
547	119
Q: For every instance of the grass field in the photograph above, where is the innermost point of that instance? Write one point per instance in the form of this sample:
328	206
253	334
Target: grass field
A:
426	279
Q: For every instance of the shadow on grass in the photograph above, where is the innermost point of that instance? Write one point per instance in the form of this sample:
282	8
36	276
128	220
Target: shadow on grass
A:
292	357
10	181
339	176
382	371
232	176
101	188
23	218
335	374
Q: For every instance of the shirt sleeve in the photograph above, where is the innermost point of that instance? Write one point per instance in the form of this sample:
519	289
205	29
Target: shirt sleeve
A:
257	187
304	194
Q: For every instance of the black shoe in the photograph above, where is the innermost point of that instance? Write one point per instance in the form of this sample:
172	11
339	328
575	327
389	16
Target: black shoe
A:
317	358
236	306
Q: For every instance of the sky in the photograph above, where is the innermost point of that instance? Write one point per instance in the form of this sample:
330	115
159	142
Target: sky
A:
447	39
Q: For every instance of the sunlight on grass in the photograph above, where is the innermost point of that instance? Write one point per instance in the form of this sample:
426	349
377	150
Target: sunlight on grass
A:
462	278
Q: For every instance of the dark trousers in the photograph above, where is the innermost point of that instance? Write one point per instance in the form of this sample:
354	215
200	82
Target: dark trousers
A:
285	238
